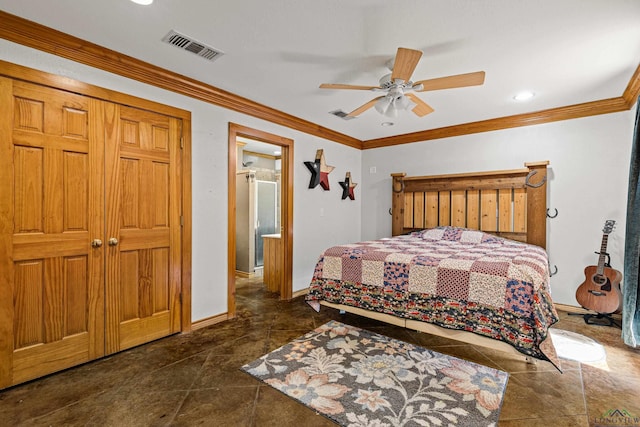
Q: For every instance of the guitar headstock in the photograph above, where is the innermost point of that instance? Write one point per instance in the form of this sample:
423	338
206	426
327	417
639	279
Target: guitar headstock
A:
608	226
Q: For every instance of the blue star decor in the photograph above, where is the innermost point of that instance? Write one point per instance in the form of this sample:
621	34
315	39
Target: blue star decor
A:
348	187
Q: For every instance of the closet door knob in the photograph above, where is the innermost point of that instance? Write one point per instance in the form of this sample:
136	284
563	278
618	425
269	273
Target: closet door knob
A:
96	243
113	241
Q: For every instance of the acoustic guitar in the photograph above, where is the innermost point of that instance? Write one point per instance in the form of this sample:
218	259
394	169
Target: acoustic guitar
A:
600	292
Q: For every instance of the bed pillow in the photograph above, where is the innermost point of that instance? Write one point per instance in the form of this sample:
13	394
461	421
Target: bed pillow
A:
457	234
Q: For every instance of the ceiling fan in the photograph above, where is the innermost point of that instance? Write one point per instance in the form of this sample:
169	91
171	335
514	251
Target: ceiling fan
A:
399	88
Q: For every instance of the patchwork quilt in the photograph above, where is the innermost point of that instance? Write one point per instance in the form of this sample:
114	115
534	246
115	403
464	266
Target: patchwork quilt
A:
452	277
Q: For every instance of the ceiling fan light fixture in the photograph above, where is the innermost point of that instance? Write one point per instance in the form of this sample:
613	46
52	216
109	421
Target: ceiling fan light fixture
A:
392	103
392	110
382	105
403	103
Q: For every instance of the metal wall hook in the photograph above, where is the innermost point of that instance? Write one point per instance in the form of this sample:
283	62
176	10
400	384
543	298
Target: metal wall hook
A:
540	184
390	212
555	270
552	216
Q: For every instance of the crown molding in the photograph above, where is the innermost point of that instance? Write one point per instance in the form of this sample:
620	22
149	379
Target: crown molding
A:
576	111
632	91
262	155
37	36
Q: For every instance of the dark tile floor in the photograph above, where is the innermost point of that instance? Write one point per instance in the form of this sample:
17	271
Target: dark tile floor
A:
193	379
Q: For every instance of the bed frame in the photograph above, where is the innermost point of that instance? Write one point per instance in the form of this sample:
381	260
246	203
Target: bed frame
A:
508	203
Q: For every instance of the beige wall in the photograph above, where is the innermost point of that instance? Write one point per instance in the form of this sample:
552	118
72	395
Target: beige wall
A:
321	218
588	172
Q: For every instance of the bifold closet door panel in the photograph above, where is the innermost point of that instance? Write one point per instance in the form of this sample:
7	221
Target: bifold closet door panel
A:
51	211
90	229
143	226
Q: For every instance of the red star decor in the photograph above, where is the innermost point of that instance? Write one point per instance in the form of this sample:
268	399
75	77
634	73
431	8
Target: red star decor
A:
348	187
319	171
325	170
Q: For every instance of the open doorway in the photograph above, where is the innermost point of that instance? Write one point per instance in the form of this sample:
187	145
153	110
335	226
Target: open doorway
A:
258	190
272	224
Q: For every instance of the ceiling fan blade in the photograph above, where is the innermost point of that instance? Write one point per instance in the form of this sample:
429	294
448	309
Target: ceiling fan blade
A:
405	62
364	107
422	108
341	86
450	82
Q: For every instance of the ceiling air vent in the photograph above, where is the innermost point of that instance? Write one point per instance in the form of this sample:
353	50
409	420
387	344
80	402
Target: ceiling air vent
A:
187	43
342	114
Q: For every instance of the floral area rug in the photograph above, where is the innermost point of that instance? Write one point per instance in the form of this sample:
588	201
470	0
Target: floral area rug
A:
358	378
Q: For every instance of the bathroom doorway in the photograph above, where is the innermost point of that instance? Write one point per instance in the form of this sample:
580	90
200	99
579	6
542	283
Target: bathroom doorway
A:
260	210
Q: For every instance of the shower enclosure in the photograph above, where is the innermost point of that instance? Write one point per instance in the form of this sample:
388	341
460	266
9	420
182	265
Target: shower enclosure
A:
256	215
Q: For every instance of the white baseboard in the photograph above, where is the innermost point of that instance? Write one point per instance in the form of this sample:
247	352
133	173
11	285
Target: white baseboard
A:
300	293
580	310
209	321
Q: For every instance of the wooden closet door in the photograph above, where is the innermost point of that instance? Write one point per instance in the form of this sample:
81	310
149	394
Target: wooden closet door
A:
51	209
143	252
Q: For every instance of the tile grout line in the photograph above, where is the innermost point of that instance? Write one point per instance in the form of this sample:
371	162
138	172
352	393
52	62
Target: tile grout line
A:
69	405
190	389
265	350
252	416
584	393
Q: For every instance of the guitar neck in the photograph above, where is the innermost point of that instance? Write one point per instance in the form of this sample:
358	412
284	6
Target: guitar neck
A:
601	258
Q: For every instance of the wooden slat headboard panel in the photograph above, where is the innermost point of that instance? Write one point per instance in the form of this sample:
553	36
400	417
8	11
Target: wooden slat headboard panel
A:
509	203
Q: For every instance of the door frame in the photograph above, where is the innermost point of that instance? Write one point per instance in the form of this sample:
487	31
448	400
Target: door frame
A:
286	212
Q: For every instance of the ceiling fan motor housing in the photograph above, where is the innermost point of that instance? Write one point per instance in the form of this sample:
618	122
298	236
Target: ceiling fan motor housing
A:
396	92
386	83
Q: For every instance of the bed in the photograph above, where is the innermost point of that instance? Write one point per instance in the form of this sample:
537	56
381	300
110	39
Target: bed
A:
466	260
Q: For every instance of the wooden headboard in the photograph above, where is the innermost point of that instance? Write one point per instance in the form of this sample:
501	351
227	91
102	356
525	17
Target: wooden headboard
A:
509	203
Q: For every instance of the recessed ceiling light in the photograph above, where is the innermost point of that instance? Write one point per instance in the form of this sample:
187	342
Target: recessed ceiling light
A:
143	2
523	96
387	124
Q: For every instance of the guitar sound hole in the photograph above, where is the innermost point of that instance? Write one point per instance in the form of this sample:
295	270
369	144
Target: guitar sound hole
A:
599	279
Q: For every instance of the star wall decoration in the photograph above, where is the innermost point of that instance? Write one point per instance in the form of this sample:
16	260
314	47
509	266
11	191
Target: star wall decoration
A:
348	187
314	168
325	170
319	171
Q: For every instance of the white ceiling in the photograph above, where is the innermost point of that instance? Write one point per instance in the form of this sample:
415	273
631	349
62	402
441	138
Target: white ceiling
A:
277	52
